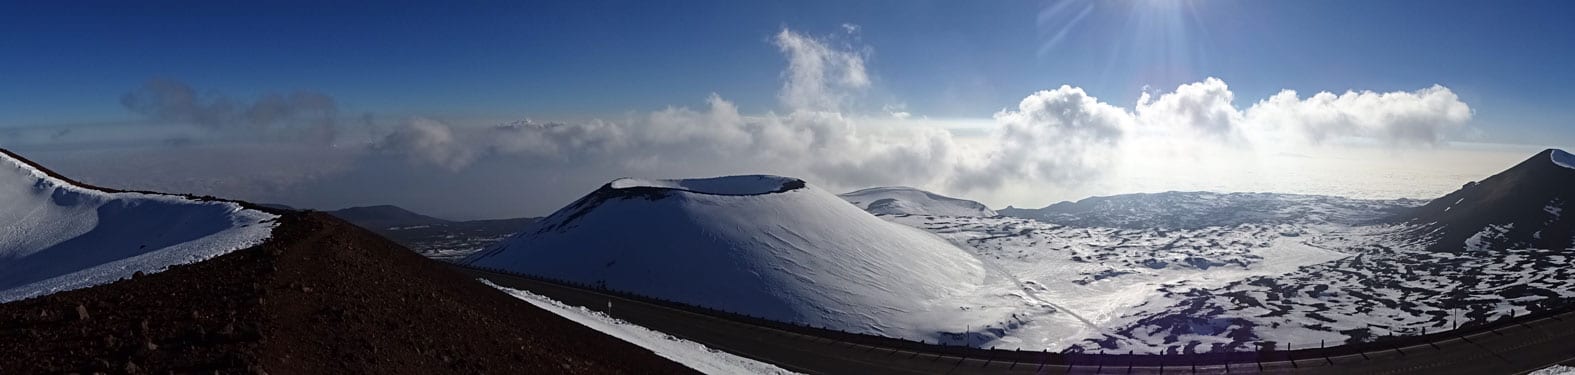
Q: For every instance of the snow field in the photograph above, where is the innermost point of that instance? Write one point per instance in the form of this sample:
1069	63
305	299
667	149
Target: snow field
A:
57	236
688	353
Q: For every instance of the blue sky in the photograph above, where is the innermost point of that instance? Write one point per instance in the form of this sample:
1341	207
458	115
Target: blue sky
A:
69	63
424	72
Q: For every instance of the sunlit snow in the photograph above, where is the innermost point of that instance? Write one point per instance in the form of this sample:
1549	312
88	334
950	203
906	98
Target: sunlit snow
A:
55	236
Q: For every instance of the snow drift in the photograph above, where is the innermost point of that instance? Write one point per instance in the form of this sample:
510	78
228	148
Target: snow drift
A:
1562	158
767	246
900	200
58	235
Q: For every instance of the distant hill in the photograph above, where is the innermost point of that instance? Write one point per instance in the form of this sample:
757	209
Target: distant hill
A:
278	206
430	236
901	200
385	216
1191	210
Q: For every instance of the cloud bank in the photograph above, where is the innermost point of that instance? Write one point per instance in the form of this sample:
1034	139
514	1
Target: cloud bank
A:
1051	138
1060	137
1424	116
812	137
304	113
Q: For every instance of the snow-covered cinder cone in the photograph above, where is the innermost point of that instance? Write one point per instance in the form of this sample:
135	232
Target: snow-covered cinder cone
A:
57	235
767	246
900	200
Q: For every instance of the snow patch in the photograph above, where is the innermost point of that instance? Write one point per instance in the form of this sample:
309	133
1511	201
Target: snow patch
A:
1108	276
1457	203
1483	240
689	353
728	185
56	236
1563	159
1554	370
909	201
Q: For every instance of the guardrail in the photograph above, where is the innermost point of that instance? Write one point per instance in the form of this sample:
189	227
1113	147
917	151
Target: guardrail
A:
1267	352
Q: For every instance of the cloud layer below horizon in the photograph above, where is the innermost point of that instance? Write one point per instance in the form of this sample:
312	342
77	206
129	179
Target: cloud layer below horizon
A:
1054	136
1061	137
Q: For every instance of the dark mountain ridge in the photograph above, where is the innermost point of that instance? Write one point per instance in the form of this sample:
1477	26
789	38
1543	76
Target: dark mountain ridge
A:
319	296
385	216
1523	206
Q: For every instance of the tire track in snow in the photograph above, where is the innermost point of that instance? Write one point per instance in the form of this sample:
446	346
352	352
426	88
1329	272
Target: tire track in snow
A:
989	264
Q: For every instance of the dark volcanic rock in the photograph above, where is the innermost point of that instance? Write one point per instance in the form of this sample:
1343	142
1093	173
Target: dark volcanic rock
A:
320	297
374	307
1528	203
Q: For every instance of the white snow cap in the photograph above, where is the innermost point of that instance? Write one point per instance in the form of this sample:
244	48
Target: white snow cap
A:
765	246
56	236
727	185
1563	159
902	200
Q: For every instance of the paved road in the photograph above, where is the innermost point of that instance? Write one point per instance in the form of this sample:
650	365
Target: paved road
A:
1514	349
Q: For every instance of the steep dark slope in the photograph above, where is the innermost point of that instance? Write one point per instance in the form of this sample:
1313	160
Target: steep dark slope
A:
1524	206
318	296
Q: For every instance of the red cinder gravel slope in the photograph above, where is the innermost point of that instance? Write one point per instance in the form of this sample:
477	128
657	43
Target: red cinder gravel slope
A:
321	296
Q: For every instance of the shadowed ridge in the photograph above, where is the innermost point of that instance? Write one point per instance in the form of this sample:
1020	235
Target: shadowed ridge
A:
1528	202
318	296
272	209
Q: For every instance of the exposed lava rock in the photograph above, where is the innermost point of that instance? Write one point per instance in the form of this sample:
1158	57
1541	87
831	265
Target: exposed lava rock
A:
320	296
1526	203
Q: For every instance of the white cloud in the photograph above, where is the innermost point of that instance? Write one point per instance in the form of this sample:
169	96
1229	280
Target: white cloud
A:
429	141
819	76
1056	136
1065	137
813	139
680	141
1417	117
897	111
1203	108
1055	139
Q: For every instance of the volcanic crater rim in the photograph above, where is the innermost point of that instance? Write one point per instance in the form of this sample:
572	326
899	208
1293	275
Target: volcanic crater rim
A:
742	185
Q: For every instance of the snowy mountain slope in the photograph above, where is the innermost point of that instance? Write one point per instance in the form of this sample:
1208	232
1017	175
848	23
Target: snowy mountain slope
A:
1192	210
1170	272
58	235
1110	276
692	354
1391	287
1522	206
1562	158
766	246
899	200
1490	250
